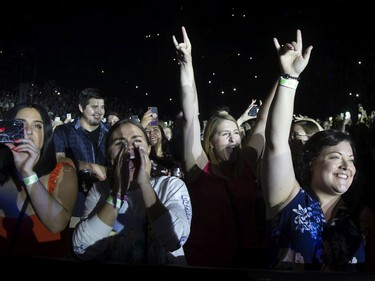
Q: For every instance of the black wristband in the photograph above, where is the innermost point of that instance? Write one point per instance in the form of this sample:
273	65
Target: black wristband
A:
287	76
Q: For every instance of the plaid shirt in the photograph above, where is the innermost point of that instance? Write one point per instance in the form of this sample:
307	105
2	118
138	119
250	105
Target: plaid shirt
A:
75	142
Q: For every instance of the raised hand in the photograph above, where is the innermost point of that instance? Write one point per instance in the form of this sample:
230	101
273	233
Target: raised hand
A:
183	49
292	61
147	117
25	155
119	176
144	170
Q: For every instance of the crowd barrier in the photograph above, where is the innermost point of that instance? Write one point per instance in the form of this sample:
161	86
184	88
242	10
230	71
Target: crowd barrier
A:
71	270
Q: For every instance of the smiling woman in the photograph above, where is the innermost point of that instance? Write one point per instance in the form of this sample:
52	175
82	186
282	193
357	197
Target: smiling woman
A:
314	222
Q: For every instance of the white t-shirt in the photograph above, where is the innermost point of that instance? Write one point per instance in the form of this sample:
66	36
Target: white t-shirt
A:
125	240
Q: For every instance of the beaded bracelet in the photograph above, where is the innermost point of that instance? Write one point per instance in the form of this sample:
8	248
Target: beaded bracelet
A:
287	76
31	180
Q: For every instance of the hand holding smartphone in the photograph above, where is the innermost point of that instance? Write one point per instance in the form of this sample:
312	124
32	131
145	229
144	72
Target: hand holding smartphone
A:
253	111
11	130
155	120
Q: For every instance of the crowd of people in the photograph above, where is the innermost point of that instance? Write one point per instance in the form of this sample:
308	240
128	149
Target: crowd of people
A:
267	190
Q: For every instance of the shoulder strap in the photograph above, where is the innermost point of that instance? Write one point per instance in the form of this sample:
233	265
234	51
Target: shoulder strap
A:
52	180
13	238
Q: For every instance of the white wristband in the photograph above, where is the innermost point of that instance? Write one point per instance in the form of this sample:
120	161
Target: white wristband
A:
289	83
118	202
31	180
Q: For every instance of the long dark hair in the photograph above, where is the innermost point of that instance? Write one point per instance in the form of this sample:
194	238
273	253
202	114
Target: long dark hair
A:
6	163
47	160
168	156
118	124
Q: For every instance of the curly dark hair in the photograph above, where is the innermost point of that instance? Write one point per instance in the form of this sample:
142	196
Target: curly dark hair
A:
314	146
353	198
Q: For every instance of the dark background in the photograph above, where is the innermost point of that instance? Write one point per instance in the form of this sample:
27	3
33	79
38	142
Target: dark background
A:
72	42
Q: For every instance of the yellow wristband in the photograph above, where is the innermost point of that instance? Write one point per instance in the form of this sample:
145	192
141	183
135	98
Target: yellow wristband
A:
289	83
31	180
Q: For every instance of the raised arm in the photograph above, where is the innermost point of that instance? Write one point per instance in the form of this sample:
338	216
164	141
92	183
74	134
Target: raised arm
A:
256	137
193	150
245	115
278	178
147	117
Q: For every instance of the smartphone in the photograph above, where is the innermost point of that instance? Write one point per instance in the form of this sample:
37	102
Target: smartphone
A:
57	119
253	111
68	116
155	121
11	130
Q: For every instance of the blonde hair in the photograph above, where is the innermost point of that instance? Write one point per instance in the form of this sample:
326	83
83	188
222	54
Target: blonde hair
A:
209	132
309	125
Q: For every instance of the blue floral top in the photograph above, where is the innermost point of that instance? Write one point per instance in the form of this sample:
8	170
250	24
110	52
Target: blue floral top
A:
300	237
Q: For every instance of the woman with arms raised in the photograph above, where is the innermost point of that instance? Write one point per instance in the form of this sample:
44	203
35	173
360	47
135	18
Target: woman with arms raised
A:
221	178
314	223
